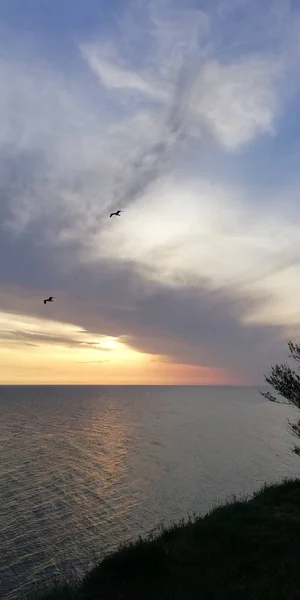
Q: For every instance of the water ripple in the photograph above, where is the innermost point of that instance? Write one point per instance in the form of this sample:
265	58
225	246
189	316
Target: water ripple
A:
86	468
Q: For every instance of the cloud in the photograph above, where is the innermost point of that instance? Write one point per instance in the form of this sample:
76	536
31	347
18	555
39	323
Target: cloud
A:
213	236
89	362
235	101
192	326
238	101
79	159
113	76
196	265
35	331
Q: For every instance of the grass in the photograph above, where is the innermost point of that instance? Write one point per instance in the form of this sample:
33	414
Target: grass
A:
245	550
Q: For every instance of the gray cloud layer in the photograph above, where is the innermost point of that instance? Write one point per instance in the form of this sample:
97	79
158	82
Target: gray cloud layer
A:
63	168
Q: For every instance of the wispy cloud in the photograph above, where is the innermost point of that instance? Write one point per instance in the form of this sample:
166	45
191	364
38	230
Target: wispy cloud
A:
235	101
37	331
238	101
89	362
115	77
119	131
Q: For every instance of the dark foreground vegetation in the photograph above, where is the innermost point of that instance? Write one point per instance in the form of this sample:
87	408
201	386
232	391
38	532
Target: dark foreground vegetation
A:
244	550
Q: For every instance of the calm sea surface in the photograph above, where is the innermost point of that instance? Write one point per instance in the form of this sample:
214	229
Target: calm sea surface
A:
86	468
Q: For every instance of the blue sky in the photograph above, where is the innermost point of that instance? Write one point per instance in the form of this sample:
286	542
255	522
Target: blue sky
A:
186	116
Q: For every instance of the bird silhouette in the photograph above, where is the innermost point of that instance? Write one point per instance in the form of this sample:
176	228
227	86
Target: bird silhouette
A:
50	299
117	213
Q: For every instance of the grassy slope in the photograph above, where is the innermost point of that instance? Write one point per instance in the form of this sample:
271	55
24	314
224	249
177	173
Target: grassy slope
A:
243	550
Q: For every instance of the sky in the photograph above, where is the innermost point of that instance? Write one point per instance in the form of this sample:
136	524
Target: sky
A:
186	116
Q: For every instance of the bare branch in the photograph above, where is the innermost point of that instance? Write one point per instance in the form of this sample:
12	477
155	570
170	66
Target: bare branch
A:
294	350
269	396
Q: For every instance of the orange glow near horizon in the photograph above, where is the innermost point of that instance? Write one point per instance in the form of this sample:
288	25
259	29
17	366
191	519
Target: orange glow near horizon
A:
54	365
80	357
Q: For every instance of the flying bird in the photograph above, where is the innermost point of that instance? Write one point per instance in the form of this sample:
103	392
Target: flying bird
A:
50	299
117	213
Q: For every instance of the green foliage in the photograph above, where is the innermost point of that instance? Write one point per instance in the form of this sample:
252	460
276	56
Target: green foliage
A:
246	550
286	382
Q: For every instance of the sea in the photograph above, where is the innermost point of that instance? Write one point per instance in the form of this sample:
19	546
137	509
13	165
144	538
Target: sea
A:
87	468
